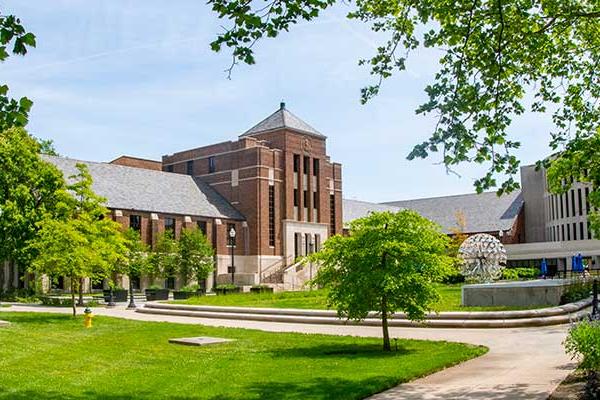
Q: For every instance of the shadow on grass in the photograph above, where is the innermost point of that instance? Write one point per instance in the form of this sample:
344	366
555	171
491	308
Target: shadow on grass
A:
344	351
34	318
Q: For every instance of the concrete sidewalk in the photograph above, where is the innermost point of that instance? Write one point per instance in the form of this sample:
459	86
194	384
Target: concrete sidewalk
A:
524	363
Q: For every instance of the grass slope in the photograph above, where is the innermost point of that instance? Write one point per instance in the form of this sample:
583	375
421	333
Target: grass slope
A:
316	299
51	357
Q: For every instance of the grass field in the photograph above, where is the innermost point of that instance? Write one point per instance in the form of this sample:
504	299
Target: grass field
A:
317	299
51	357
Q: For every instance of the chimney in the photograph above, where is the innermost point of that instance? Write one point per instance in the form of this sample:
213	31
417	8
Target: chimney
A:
282	105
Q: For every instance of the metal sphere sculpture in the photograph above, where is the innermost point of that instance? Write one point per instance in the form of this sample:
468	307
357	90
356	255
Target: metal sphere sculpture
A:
484	257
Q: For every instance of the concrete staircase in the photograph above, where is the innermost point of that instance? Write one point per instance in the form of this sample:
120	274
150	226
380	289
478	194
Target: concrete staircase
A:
459	319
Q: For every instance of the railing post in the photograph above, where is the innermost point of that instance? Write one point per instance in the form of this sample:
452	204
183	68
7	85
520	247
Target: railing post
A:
595	298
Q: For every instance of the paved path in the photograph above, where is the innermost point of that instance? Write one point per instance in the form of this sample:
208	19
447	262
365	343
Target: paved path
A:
524	363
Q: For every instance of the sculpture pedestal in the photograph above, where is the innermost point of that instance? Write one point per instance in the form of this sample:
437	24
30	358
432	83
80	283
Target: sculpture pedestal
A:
539	292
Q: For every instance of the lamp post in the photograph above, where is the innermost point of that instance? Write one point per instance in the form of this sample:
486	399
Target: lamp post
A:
311	249
131	305
232	244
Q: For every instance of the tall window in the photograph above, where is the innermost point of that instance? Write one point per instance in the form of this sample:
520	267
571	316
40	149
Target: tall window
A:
315	203
170	226
306	165
579	201
581	236
332	214
562	214
296	162
271	215
189	167
231	240
306	199
574	231
135	222
587	200
296	198
567	204
212	166
315	166
573	203
202	226
589	236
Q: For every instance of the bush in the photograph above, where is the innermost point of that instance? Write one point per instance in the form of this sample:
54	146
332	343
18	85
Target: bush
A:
517	274
583	342
453	277
578	289
56	301
227	286
19	296
190	288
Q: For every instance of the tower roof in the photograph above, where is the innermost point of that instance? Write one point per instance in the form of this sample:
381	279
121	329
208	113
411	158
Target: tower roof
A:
283	119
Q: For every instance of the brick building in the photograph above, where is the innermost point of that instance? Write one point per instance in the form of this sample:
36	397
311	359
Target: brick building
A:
279	176
275	186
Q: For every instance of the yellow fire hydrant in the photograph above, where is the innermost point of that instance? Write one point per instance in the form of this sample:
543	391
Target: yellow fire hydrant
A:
87	318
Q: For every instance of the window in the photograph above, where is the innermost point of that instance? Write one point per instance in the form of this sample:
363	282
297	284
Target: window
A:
170	282
135	222
231	241
574	231
169	168
579	202
170	226
306	165
581	236
271	215
317	242
573	203
587	200
315	166
332	214
296	198
315	203
211	165
189	167
202	226
568	232
589	236
567	204
562	214
306	199
562	232
296	162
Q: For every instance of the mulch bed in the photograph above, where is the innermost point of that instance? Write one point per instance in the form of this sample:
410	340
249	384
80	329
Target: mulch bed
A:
573	387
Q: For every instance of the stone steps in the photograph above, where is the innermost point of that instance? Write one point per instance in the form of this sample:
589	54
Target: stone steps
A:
497	319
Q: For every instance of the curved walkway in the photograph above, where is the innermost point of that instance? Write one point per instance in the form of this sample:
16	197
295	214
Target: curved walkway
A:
523	363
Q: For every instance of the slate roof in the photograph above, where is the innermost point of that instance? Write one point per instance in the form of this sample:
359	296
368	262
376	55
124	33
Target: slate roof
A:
283	119
485	212
354	209
129	188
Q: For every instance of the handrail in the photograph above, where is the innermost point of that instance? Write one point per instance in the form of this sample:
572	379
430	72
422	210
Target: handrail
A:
275	267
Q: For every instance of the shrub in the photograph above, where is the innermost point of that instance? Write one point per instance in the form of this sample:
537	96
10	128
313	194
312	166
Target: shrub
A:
189	288
516	274
578	289
583	342
56	301
155	287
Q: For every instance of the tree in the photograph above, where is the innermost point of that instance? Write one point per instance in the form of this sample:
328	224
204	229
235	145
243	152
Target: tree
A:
195	255
579	162
136	258
82	244
493	53
13	39
30	190
388	263
164	260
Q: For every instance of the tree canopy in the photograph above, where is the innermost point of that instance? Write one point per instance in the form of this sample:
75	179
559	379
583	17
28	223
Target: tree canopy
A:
30	190
14	39
493	54
388	263
195	256
81	244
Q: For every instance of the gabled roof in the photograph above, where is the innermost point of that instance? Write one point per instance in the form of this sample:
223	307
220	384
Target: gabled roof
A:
129	188
485	212
283	119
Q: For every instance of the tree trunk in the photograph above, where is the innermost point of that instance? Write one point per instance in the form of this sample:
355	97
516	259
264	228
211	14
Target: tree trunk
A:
80	301
73	296
384	325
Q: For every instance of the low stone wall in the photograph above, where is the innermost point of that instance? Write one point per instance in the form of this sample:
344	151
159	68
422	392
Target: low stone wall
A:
539	292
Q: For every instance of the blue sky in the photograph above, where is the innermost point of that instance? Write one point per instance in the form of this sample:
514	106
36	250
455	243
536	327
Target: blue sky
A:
137	77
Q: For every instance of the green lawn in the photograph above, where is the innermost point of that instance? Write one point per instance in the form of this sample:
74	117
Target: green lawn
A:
316	299
52	357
